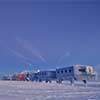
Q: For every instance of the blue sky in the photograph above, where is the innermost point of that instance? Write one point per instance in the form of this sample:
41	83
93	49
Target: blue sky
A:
48	34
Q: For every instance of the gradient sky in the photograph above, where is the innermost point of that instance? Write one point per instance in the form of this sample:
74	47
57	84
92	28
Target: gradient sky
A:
48	34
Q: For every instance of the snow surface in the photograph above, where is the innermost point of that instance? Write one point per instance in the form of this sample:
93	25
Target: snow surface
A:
10	90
